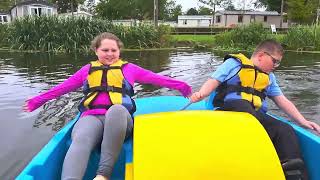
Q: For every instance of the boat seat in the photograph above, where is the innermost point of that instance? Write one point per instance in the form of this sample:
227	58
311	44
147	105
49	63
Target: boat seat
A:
194	145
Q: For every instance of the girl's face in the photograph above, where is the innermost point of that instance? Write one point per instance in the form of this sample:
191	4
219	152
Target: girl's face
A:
108	52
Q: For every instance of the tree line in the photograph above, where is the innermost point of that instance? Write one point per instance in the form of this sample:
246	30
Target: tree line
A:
300	11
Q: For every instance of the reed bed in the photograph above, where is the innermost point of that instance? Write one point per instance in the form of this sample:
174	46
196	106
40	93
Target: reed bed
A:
243	37
3	35
69	34
305	37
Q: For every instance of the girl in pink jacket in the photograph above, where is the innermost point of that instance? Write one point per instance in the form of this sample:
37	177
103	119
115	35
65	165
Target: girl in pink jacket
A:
107	106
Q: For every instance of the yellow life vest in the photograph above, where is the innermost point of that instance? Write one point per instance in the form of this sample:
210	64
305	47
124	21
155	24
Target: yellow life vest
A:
108	79
250	83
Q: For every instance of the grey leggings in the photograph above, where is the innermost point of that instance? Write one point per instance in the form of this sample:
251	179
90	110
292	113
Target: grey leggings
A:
109	130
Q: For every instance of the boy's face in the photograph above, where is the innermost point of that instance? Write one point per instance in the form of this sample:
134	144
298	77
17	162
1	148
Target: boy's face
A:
269	61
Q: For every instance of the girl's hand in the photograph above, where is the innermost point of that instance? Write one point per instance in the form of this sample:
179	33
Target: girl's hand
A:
25	107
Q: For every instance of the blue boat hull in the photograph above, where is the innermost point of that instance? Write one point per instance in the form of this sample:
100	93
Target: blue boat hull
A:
47	163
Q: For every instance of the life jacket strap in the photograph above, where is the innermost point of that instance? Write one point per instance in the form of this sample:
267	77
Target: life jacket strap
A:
248	90
252	67
105	89
104	68
99	106
247	66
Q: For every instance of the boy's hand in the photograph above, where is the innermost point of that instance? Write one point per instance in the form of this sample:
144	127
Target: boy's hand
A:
195	97
311	125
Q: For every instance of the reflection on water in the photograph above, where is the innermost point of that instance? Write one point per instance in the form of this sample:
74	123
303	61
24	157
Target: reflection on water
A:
26	75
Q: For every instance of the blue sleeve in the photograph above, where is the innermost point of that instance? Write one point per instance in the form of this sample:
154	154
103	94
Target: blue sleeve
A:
273	88
226	70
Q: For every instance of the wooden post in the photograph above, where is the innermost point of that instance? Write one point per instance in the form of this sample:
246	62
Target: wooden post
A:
155	12
317	20
72	9
281	14
318	13
213	14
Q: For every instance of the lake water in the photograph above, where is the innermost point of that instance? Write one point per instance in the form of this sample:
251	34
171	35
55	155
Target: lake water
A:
24	75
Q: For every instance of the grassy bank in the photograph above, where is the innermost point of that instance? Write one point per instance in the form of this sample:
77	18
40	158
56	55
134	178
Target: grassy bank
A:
193	41
203	39
299	38
240	38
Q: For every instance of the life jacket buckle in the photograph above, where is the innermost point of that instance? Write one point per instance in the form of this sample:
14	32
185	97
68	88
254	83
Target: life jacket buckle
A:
110	88
249	90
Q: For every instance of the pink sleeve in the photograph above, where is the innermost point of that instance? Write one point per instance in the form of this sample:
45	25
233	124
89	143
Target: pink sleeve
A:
72	83
140	75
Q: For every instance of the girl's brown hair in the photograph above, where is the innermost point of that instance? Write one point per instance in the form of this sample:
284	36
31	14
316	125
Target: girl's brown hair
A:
96	42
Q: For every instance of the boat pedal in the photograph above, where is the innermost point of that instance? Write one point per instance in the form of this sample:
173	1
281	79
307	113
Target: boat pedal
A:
293	169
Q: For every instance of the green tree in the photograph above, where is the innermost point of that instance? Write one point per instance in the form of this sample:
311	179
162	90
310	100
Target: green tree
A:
145	8
176	12
116	9
228	5
192	11
5	5
137	9
67	5
271	5
204	11
301	11
172	11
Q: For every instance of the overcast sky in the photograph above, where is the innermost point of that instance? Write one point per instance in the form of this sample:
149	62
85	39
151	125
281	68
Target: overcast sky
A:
187	4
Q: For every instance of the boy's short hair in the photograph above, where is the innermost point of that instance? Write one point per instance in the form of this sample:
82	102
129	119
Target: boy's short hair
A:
269	46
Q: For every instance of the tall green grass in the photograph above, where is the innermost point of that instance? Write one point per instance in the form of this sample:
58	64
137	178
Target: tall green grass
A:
53	33
243	37
3	35
303	38
247	37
